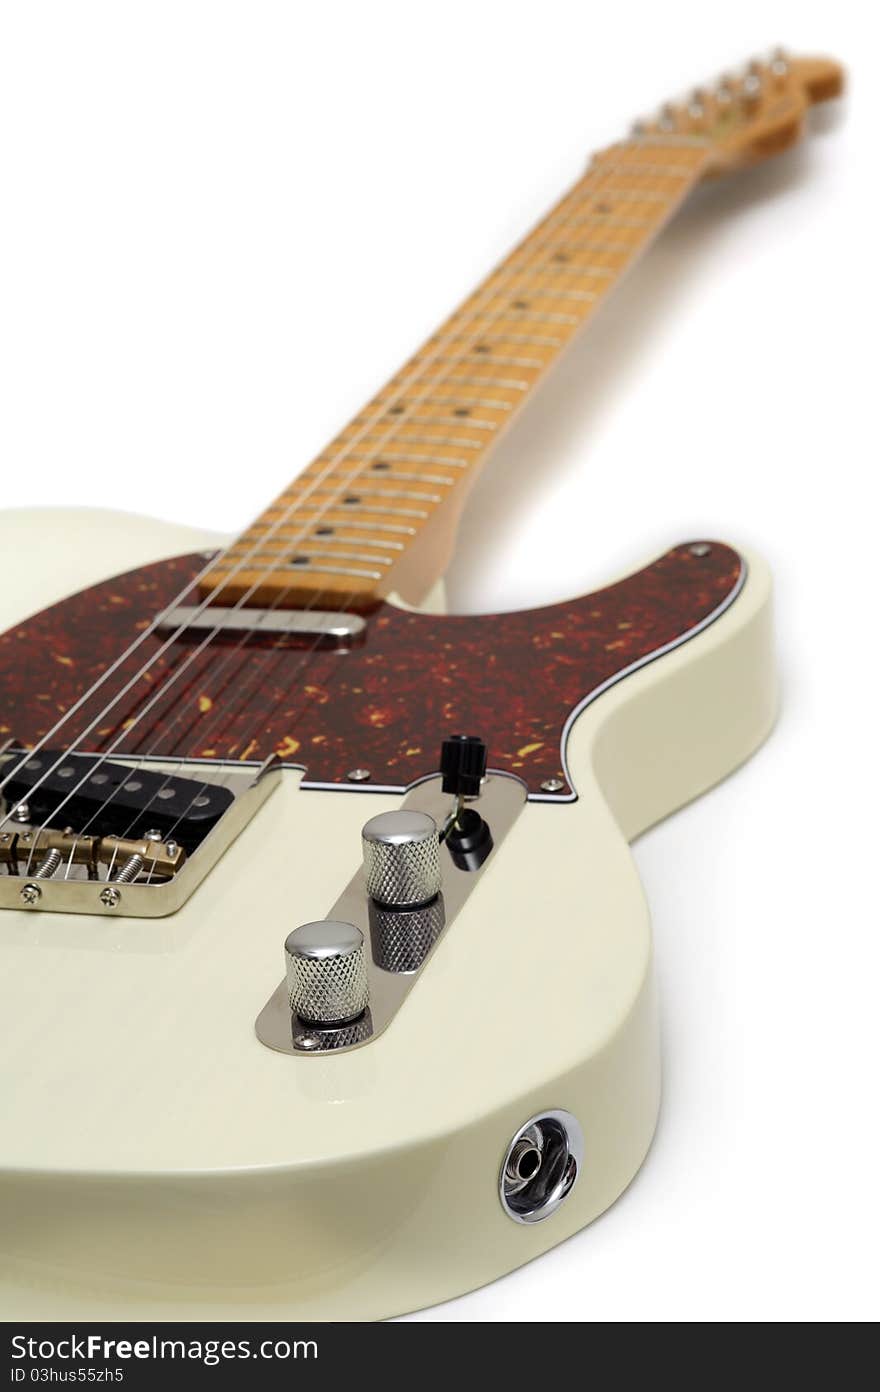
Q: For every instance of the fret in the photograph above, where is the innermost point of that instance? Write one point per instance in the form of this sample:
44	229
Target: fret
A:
335	518
613	248
607	194
404	458
275	556
497	335
437	441
609	220
368	509
347	483
551	292
471	422
518	316
482	403
497	361
282	547
500	384
313	551
647	171
569	268
331	570
356	511
397	477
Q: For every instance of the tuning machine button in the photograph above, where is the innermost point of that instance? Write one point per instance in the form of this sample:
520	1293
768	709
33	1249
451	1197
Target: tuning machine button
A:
401	858
326	972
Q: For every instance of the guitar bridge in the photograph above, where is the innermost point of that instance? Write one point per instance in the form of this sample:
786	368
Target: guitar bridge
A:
82	834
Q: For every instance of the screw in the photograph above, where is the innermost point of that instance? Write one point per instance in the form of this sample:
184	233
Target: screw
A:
552	785
358	775
110	897
305	1041
153	834
700	548
21	813
30	893
171	848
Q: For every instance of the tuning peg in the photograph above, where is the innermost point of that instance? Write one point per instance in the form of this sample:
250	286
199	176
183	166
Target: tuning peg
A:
752	85
697	104
638	130
779	62
667	120
724	90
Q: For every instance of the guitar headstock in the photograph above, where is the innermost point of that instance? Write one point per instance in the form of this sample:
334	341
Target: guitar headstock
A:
757	113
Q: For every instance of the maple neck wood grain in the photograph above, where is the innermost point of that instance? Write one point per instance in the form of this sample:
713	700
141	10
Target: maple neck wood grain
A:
375	512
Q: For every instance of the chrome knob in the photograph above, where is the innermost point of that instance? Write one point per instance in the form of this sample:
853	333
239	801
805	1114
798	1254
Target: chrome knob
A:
326	972
402	938
401	858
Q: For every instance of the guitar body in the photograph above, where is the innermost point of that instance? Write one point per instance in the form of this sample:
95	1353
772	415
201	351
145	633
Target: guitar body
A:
158	1160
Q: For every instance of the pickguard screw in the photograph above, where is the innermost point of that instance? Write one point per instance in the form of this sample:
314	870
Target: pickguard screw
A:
700	548
110	897
30	894
552	785
358	775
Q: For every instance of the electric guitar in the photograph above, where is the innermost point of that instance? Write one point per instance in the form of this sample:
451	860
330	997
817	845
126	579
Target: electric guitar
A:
326	973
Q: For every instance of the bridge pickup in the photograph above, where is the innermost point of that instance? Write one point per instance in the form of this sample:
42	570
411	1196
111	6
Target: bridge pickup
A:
322	625
87	791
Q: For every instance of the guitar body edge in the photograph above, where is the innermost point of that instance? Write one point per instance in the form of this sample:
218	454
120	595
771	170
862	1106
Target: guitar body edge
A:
391	1202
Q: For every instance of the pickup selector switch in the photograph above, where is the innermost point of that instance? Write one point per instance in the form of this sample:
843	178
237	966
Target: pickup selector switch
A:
463	765
401	858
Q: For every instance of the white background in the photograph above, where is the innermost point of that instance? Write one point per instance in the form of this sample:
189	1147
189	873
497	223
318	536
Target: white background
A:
225	224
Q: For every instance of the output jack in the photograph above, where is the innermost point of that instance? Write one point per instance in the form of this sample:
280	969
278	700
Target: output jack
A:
541	1166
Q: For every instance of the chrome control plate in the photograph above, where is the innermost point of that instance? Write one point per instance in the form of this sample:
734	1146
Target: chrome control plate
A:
501	801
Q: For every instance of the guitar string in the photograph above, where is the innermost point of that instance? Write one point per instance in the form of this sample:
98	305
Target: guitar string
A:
671	141
510	269
260	542
259	669
555	224
515	266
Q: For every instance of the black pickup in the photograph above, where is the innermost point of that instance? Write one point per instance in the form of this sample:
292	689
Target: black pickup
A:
86	790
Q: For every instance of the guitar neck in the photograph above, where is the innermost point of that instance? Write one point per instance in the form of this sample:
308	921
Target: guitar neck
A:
375	512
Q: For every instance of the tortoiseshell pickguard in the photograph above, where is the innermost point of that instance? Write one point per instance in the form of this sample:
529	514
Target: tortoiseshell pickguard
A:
384	705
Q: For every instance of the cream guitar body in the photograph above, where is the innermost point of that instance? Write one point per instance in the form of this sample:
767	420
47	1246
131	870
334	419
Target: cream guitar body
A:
159	1162
325	972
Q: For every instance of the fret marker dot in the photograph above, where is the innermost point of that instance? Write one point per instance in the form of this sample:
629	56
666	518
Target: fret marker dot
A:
352	500
324	531
380	464
397	410
462	411
482	348
604	208
299	560
561	257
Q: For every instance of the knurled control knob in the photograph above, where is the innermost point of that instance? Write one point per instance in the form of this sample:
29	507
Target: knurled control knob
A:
401	858
326	972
